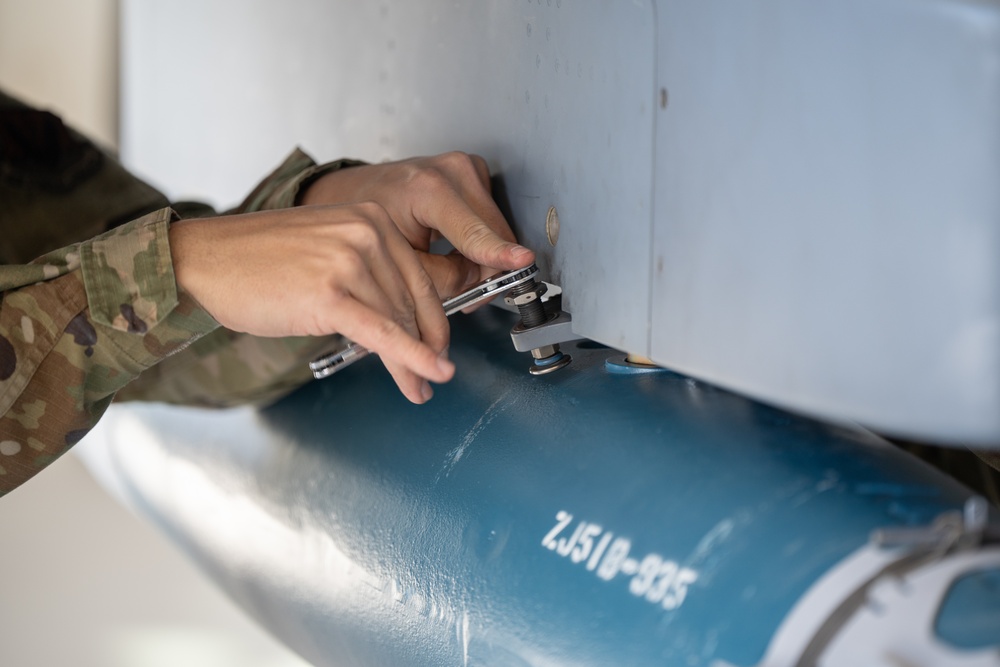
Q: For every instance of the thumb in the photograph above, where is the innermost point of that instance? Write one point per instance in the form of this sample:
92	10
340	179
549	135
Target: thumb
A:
483	245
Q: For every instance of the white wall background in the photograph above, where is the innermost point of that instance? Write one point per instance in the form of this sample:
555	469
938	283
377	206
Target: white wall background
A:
82	581
62	55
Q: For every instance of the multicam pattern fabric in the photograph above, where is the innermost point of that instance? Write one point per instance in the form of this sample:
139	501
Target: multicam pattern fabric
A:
100	307
76	326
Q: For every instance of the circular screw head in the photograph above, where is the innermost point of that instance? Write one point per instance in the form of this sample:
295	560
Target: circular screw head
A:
552	225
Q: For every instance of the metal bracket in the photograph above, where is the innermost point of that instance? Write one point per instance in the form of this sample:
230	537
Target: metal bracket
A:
558	329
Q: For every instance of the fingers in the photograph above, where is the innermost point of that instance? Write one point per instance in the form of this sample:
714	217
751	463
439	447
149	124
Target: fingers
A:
451	274
401	291
474	238
452	195
483	171
316	271
419	199
431	324
448	193
475	233
409	360
376	274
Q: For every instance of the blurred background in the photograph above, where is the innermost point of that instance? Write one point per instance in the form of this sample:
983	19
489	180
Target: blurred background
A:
82	581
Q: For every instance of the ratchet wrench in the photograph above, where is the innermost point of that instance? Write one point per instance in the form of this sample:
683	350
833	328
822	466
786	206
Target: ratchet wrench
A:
329	364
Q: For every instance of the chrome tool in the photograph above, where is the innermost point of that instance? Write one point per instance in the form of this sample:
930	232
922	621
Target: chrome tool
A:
328	364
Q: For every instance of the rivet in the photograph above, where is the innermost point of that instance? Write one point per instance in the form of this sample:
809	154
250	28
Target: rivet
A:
552	225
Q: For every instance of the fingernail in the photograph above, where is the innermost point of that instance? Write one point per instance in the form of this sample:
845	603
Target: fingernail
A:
445	366
426	391
444	353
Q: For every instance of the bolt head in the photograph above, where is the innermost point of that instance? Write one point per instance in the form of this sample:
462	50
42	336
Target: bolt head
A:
544	352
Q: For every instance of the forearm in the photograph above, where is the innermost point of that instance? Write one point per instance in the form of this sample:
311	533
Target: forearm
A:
228	368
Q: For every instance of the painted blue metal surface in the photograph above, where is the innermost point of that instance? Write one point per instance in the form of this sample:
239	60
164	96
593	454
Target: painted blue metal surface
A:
581	518
970	615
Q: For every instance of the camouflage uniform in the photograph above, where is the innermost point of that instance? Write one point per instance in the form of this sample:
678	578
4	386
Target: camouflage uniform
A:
84	320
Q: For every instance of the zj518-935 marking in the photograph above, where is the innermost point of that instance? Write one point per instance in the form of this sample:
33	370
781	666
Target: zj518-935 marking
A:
655	579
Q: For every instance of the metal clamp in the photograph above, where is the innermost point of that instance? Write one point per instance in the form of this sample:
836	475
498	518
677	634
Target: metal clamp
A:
558	329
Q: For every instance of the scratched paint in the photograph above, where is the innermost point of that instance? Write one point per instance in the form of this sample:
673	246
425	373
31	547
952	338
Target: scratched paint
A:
455	455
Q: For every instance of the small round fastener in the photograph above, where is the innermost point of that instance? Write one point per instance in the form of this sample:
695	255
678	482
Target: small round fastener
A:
552	225
550	364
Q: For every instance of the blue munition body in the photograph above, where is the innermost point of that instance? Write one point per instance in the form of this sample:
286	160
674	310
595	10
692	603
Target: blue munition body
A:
585	518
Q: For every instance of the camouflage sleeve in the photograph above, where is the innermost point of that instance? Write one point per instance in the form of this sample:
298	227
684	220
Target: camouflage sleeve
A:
227	368
283	187
76	325
82	321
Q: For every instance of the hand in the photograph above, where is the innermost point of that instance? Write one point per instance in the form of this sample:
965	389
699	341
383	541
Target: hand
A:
447	194
316	271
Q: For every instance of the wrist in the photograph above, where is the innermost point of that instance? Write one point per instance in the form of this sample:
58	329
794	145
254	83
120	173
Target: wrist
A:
184	251
329	183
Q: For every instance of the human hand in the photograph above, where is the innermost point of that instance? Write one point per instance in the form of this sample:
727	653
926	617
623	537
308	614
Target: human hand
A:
318	270
446	194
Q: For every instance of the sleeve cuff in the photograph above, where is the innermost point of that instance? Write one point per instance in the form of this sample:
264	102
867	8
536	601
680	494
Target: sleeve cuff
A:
283	187
128	275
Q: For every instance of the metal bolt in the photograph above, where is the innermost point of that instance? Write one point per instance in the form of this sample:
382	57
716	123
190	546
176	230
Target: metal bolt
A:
528	299
544	352
532	311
